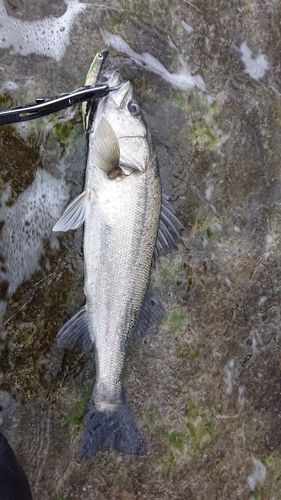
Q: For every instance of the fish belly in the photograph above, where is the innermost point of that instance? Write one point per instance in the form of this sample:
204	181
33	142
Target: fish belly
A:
119	240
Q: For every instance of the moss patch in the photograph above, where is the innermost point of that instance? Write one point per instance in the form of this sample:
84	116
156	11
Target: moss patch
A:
175	320
120	481
27	338
60	496
179	98
180	446
169	272
75	416
175	440
201	135
151	413
62	132
199	427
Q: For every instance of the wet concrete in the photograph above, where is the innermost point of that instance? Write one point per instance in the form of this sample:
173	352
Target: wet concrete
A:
205	391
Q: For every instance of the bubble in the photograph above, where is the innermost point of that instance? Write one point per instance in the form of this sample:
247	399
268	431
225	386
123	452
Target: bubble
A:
48	37
182	80
27	223
255	67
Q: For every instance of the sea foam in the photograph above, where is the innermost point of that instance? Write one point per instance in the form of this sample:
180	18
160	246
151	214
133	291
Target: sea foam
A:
26	224
48	37
182	80
255	67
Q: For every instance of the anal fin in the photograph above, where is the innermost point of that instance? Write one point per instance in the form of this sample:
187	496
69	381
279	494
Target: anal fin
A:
75	333
150	317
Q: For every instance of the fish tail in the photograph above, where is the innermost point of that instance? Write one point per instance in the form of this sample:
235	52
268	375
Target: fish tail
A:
114	429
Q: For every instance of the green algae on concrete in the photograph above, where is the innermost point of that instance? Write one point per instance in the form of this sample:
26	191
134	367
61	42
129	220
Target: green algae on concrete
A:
175	320
198	425
175	457
196	355
120	481
62	132
175	440
75	416
60	496
179	98
27	338
201	135
181	447
151	413
167	272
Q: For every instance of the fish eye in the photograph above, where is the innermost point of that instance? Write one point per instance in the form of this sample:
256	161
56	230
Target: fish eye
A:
134	108
100	56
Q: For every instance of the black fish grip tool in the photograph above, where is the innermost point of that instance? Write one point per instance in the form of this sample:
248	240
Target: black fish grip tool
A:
45	105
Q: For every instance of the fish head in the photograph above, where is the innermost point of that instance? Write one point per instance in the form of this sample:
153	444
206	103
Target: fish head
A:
123	113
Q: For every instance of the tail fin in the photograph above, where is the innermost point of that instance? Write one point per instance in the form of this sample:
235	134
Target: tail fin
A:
115	429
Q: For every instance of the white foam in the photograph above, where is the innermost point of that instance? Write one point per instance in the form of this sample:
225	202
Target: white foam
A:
258	475
48	37
262	300
269	239
182	80
241	398
171	43
10	85
2	308
255	67
26	223
209	191
25	129
186	26
268	246
228	282
229	374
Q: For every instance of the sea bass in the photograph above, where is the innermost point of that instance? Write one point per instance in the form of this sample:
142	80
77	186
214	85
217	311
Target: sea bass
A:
128	223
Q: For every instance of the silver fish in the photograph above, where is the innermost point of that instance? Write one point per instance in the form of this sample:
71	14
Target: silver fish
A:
125	228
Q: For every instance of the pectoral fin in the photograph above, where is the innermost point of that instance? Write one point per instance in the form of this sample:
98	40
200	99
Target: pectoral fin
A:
106	151
74	215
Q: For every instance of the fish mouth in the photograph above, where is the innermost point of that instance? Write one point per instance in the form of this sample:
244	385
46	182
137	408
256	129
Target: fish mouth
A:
114	79
118	95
